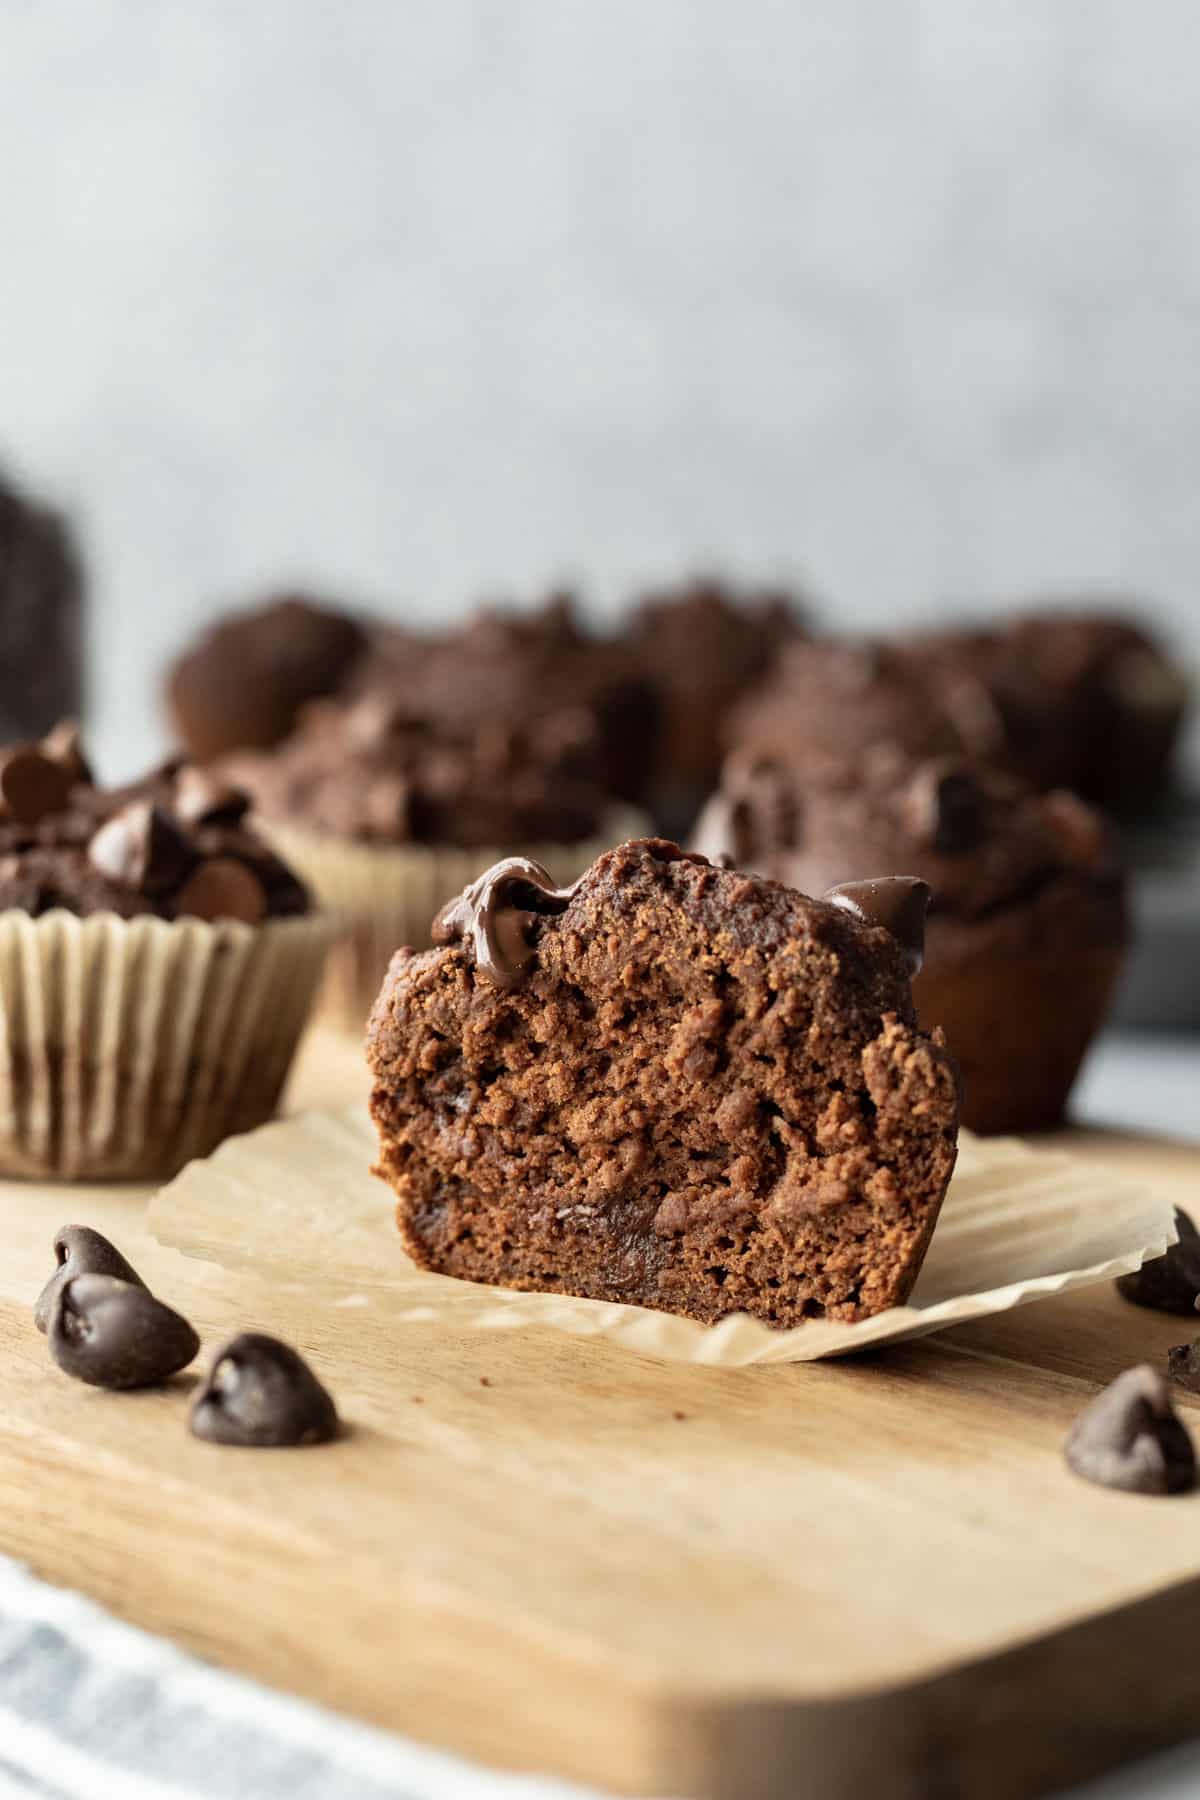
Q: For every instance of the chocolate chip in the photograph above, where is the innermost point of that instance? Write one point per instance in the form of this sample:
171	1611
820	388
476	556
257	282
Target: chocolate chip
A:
1169	1283
222	888
499	913
32	785
80	1251
142	847
1130	1437
202	798
262	1394
1183	1366
113	1334
898	903
64	746
1081	831
946	807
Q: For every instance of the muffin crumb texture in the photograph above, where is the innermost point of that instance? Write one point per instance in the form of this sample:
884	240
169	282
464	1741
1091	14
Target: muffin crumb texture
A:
701	1092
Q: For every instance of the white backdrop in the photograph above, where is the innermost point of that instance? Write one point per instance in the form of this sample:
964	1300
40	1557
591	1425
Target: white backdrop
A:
419	301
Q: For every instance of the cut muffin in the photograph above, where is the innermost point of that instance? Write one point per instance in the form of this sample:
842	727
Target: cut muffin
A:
672	1085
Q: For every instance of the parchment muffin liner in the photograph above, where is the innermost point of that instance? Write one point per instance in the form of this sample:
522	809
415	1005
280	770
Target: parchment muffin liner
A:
130	1046
381	896
297	1199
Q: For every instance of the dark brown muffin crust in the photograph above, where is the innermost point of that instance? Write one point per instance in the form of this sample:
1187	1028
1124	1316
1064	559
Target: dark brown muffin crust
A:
373	771
242	684
174	845
689	1089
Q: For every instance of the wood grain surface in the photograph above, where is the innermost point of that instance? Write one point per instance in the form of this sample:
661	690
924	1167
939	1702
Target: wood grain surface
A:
873	1575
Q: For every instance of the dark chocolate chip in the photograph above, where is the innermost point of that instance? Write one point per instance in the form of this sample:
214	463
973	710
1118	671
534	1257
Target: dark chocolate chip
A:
261	1394
32	785
113	1334
202	798
1130	1437
499	914
222	888
1183	1366
80	1251
946	807
1169	1283
896	902
64	746
142	847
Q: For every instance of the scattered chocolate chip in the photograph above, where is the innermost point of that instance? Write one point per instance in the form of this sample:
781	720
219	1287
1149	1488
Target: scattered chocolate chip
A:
142	847
64	746
80	1251
113	1334
896	902
1130	1437
679	1415
484	1381
222	888
261	1393
1183	1366
1169	1283
202	798
32	785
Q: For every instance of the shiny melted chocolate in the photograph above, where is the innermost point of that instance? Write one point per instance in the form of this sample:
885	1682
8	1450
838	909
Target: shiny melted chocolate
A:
498	915
896	902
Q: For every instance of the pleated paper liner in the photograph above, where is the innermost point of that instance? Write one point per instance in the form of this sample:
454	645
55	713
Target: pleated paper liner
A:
296	1201
130	1046
384	895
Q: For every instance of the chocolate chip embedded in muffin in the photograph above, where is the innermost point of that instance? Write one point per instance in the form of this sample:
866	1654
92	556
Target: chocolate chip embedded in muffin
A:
242	683
1028	920
174	844
1131	1438
672	1085
1169	1283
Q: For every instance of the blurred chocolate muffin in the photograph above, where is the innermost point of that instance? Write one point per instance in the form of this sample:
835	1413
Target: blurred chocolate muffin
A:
41	617
519	670
388	808
243	682
1086	700
701	645
1027	925
830	701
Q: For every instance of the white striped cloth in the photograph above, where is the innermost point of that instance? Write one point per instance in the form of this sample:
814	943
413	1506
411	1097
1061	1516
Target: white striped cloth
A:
90	1707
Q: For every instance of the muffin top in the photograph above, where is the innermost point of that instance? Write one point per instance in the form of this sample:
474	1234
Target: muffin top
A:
378	771
522	671
1002	860
242	683
702	644
174	844
830	701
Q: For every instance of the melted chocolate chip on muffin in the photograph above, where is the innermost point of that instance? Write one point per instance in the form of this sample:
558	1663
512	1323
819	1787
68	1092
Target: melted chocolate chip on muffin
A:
669	1084
174	844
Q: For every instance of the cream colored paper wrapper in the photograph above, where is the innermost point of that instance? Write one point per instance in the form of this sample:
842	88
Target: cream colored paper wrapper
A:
129	1046
383	896
297	1199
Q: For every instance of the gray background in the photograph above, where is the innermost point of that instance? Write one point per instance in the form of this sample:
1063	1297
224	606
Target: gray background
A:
421	301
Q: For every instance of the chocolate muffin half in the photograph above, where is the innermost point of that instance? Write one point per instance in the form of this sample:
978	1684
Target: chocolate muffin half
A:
671	1085
1027	925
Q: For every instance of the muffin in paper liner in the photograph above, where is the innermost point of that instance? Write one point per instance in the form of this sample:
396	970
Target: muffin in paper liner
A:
382	896
1020	1223
130	1046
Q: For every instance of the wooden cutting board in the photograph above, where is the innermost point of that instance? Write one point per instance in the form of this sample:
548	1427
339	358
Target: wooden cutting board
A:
825	1579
